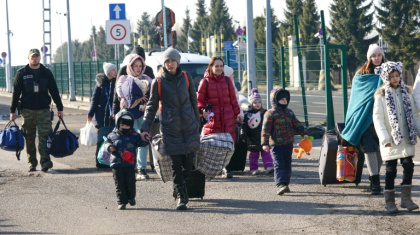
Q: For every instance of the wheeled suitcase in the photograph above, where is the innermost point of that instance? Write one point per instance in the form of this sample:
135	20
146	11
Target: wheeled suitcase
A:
327	160
103	131
195	183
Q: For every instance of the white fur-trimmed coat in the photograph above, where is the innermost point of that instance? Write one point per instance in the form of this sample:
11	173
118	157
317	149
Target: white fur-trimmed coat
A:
383	126
416	90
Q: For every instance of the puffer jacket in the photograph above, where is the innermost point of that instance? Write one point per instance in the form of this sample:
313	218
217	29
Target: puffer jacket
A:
180	118
278	123
220	93
252	136
129	142
102	100
383	126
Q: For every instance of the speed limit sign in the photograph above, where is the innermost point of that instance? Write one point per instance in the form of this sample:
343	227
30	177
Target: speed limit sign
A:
118	32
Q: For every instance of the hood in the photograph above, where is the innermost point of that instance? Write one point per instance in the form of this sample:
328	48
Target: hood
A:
209	75
130	70
101	79
274	97
122	113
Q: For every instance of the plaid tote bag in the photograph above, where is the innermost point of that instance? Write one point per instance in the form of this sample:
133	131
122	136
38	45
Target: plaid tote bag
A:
161	161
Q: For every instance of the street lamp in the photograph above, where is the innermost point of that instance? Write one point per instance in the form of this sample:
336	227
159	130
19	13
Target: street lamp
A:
61	38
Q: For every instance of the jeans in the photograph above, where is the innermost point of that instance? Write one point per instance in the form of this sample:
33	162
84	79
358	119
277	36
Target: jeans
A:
178	162
391	172
142	151
282	156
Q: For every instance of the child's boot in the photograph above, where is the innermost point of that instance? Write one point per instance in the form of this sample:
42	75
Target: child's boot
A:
390	206
406	201
375	185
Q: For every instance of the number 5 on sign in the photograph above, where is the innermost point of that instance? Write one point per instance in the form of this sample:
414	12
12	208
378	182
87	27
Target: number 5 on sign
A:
118	32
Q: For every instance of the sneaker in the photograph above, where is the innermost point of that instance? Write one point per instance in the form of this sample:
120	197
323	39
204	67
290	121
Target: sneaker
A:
282	189
254	172
32	168
269	171
132	202
121	207
226	174
46	165
142	175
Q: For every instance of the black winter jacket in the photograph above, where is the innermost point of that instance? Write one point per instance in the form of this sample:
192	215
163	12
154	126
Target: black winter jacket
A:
123	71
102	94
252	136
23	90
180	118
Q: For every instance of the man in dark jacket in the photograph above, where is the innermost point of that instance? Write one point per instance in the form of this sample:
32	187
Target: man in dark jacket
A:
34	86
180	120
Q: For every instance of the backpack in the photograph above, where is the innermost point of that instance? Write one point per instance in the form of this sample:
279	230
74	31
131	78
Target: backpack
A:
160	88
61	143
11	138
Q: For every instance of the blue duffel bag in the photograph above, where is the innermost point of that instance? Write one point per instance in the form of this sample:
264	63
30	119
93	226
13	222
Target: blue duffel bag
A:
11	138
61	143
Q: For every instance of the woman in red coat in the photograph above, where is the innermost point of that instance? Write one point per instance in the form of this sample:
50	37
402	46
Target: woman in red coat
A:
218	91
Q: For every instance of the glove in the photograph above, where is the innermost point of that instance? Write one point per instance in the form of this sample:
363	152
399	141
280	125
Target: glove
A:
128	157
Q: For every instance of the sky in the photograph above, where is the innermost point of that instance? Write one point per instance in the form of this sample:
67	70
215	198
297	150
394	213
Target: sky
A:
26	20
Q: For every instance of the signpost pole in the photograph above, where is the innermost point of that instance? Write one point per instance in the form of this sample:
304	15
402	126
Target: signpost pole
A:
70	54
9	63
165	43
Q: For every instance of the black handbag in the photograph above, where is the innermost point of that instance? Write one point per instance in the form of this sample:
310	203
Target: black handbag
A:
61	143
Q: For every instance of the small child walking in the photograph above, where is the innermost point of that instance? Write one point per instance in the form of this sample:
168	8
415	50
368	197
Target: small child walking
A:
397	124
251	134
123	142
277	131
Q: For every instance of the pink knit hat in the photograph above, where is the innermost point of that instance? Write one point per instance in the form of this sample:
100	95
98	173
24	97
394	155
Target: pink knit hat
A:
254	95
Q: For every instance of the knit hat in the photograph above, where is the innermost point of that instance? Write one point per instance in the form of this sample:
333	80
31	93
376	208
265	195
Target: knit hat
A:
254	95
374	49
108	67
386	68
171	53
228	71
139	51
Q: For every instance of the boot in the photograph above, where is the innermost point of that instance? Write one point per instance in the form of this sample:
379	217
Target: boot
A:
375	185
182	198
390	206
406	201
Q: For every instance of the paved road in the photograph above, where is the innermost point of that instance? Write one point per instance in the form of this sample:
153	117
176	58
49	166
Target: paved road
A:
75	198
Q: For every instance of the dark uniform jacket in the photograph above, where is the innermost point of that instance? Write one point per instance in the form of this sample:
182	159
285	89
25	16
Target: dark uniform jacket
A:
23	90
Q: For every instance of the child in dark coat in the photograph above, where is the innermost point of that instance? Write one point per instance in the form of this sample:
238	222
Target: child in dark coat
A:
251	133
123	142
277	131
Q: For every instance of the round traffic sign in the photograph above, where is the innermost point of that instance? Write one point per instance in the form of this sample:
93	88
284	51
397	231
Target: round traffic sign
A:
118	32
3	54
239	32
44	49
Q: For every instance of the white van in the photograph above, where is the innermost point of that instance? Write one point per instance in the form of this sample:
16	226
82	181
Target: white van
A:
194	64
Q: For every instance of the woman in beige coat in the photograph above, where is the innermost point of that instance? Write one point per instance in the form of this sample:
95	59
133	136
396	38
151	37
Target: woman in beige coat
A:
397	123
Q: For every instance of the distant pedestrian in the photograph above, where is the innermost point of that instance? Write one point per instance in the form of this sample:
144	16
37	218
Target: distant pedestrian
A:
133	91
397	122
217	90
251	134
180	120
359	129
122	143
34	87
103	93
277	134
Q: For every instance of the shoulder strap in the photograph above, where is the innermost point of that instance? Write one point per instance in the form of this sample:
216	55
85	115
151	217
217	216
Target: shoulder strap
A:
159	88
186	79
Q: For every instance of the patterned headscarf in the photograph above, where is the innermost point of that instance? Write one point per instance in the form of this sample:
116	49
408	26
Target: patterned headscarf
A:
384	71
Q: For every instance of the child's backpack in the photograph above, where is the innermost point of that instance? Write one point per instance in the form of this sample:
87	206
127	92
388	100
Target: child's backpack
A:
61	143
11	139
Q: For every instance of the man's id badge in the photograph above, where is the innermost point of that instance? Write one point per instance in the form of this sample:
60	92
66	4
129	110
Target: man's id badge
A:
36	88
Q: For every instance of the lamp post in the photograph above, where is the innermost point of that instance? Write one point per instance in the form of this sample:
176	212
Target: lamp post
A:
61	36
9	64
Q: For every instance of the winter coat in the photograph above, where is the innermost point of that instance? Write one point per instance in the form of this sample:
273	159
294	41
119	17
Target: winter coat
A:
123	71
129	142
23	90
278	124
252	136
220	93
180	118
127	88
416	90
383	126
102	100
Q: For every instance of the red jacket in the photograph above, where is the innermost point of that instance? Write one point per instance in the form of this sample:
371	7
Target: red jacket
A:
220	93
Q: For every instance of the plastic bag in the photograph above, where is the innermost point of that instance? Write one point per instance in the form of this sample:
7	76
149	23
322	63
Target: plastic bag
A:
88	136
104	157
